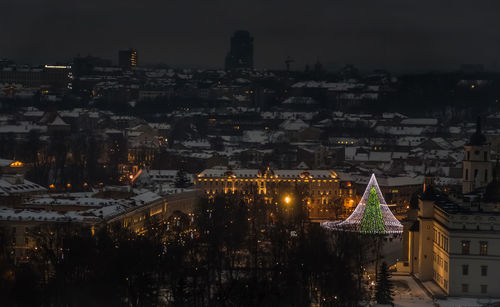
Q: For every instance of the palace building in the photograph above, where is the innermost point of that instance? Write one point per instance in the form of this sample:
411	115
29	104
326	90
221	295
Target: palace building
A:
455	242
326	196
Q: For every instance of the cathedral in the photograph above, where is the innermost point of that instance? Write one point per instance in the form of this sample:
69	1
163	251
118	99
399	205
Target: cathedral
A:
453	241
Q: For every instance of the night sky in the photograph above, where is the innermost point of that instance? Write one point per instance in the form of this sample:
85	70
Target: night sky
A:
396	34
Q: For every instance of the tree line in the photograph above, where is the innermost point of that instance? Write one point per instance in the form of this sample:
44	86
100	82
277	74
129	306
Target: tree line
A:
231	252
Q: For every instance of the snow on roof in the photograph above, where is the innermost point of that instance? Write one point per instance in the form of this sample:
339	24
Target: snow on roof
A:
255	136
398	130
8	188
43	215
299	100
22	128
420	121
409	141
58	121
6	162
107	207
294	125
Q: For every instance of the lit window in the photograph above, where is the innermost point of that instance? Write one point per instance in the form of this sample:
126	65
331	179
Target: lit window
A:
483	248
465	247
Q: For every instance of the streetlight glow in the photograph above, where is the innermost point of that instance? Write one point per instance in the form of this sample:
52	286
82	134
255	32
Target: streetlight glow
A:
288	199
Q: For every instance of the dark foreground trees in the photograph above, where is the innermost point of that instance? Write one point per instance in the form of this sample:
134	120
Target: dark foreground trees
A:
229	254
384	287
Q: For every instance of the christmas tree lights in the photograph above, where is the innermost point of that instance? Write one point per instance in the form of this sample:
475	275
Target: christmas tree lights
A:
371	216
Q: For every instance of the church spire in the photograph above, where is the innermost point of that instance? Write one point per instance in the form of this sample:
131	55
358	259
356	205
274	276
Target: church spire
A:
477	138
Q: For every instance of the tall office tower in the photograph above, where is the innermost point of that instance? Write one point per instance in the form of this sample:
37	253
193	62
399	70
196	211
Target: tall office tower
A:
240	55
127	58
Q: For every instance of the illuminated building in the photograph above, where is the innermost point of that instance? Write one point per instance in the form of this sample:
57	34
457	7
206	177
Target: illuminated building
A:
59	213
127	58
324	197
371	216
455	242
240	55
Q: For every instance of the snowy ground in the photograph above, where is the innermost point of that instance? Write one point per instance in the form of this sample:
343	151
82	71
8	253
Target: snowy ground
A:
468	302
407	293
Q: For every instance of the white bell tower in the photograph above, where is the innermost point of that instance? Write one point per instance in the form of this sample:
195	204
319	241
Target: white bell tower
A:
477	166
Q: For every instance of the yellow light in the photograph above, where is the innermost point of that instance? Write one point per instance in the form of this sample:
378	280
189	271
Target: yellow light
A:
16	164
287	199
52	186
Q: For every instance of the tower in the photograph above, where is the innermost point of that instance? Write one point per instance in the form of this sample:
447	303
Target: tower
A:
240	55
477	167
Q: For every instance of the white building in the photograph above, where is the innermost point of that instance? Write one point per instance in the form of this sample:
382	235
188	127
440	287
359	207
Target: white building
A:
456	242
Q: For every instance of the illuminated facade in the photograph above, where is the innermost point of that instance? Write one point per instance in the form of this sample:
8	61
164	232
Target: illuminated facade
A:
325	198
371	216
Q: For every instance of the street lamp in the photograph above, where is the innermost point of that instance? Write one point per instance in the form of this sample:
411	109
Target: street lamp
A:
287	199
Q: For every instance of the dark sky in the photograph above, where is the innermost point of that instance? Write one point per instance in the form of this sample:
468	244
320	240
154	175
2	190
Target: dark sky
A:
395	34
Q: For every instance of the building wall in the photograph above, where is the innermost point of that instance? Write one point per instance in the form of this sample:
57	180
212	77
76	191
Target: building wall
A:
477	168
324	194
452	240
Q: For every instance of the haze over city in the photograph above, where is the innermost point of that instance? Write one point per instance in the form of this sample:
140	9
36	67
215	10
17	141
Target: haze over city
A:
395	35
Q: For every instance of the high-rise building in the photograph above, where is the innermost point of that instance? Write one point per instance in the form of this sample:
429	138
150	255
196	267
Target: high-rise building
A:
240	55
127	58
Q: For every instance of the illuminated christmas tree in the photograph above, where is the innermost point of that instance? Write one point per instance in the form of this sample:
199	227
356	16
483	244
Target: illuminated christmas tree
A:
372	221
371	216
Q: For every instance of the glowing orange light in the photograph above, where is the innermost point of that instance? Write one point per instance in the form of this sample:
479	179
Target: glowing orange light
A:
287	199
16	164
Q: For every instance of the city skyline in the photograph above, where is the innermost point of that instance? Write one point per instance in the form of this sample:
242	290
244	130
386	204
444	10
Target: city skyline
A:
416	36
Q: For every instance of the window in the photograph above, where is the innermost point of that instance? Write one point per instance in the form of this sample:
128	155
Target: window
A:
484	270
465	269
466	174
483	248
465	288
475	173
485	175
484	289
485	156
465	247
468	155
446	266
